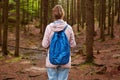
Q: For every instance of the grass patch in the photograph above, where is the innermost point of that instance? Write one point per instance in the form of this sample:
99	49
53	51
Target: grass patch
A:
16	59
1	58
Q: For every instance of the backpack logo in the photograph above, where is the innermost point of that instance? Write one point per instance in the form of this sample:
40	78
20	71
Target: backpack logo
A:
59	52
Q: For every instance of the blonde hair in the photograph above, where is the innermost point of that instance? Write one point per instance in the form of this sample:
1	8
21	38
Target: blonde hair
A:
58	12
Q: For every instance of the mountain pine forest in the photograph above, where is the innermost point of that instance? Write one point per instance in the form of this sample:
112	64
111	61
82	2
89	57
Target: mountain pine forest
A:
96	26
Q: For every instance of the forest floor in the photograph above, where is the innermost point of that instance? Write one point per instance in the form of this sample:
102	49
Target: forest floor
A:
31	63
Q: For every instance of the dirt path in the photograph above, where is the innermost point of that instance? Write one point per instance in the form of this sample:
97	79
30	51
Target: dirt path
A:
33	68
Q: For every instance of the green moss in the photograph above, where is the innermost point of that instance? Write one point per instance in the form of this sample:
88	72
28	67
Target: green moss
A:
83	66
16	59
1	57
11	53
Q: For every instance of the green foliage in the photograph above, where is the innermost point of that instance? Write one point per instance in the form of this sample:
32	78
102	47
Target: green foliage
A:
30	7
12	2
12	11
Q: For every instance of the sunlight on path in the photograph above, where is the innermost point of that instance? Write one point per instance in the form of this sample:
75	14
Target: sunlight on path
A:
25	62
36	69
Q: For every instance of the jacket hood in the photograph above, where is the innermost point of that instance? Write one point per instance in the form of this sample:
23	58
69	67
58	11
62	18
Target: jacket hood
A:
58	25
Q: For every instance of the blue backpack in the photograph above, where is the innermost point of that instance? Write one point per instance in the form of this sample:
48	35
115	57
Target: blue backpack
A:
59	52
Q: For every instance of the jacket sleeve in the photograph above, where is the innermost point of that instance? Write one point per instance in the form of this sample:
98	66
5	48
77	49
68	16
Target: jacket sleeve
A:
46	41
72	39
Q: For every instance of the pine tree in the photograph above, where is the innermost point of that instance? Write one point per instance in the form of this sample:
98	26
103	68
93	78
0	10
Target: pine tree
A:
89	29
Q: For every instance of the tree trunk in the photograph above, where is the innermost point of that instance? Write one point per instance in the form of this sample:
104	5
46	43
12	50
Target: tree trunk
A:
102	20
116	7
104	14
97	9
67	10
50	6
71	13
74	11
27	16
38	8
17	28
24	21
45	14
83	12
89	29
1	23
5	28
33	9
78	15
41	17
109	16
112	21
119	13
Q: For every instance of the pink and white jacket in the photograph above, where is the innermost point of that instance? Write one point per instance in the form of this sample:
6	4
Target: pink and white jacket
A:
57	25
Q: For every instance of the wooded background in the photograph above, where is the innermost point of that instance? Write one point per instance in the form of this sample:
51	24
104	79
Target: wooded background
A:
83	13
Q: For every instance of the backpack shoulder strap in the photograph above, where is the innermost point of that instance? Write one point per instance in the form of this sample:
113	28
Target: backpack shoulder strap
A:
65	27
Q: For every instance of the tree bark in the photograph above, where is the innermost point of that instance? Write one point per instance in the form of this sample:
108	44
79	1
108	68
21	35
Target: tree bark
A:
89	29
116	7
41	16
109	16
119	13
71	12
102	20
78	15
17	28
67	10
74	11
1	23
83	12
112	21
5	28
45	14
